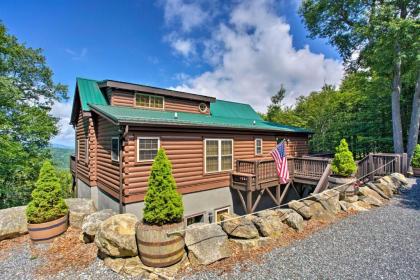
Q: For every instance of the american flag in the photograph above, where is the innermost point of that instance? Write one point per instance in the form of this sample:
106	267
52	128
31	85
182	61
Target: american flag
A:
279	155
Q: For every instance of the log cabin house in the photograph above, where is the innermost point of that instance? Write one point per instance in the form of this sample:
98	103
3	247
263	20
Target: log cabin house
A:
120	126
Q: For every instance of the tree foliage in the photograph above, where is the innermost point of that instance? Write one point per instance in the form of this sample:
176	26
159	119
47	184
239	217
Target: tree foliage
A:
163	204
381	40
47	202
343	163
416	158
27	93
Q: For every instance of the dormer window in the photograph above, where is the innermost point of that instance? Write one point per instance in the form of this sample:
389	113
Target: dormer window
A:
149	101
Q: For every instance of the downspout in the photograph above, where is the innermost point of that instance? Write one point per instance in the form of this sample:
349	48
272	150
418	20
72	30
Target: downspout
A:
121	142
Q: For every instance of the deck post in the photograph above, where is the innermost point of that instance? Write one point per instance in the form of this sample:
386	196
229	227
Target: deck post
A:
404	164
371	167
278	193
398	163
248	202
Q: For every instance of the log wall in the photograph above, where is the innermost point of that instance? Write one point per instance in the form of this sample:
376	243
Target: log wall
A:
185	149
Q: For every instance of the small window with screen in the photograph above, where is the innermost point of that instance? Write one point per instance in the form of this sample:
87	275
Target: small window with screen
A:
115	149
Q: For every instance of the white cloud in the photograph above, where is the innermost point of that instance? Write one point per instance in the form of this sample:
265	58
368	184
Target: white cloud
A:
189	15
62	111
252	55
77	55
184	47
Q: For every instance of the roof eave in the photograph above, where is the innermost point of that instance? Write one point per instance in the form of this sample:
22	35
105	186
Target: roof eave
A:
155	90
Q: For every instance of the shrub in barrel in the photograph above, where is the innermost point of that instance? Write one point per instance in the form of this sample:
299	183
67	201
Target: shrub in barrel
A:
47	212
159	243
343	169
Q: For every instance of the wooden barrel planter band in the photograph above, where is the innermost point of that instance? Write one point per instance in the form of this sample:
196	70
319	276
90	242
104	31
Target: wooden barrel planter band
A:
157	248
45	232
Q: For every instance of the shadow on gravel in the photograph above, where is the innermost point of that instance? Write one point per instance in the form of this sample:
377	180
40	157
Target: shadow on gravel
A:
411	198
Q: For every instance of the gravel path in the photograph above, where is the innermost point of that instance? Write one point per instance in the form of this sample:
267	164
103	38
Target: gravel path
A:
383	243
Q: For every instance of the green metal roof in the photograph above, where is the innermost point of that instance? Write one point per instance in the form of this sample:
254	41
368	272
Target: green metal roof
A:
89	92
123	115
228	109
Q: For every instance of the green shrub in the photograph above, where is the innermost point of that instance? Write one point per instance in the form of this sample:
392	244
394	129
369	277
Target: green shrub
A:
415	162
66	182
47	202
163	204
343	163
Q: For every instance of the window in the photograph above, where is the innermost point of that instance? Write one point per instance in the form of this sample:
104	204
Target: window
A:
195	219
258	146
78	149
86	149
219	212
115	149
202	107
218	155
149	101
147	148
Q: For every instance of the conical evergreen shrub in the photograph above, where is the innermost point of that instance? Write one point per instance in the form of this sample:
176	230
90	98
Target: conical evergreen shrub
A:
163	204
415	162
47	202
343	163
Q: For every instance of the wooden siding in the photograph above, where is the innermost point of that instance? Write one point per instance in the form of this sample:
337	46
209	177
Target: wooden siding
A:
108	173
85	131
185	149
126	98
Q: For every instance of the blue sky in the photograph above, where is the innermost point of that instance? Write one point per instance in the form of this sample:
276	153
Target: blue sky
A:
238	50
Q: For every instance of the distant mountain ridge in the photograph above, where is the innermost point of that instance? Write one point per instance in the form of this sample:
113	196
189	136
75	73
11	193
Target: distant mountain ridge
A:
60	146
61	155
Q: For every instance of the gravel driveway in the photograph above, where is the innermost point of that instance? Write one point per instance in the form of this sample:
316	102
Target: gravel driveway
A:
383	243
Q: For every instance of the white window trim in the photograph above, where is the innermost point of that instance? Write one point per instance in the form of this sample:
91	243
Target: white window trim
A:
149	107
260	139
219	155
218	210
86	150
118	152
78	149
138	147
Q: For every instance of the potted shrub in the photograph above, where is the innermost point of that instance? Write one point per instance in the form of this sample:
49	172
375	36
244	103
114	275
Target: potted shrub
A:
343	169
415	161
47	212
162	214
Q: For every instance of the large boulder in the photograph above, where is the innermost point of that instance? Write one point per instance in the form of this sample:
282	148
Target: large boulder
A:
116	236
92	222
384	187
359	206
206	243
269	225
366	191
392	183
250	244
310	209
400	177
377	190
284	213
13	222
371	201
79	208
295	221
328	199
239	227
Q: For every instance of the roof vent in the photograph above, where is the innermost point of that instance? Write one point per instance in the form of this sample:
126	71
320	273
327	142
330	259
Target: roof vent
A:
176	115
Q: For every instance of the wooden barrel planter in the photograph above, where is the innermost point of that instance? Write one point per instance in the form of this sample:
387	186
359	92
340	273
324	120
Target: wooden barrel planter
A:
157	248
416	172
46	232
345	191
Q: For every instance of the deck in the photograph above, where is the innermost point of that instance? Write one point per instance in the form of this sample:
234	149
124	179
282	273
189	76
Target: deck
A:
260	175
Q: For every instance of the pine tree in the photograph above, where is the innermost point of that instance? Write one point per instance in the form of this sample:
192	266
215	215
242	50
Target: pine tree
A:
47	202
163	204
343	163
415	162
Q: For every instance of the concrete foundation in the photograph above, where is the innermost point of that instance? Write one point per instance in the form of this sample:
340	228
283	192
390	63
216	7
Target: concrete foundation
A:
85	191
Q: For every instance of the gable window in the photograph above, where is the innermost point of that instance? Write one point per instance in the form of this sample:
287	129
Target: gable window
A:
115	149
147	148
149	101
218	155
258	146
86	149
